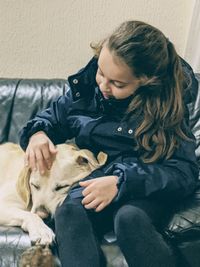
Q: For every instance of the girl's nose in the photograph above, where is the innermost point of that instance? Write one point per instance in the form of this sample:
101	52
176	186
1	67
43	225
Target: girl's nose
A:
107	90
105	85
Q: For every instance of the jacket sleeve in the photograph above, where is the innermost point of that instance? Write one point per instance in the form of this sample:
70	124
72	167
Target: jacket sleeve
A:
53	121
170	179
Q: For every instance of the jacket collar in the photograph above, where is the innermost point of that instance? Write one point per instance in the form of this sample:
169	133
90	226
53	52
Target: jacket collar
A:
83	82
111	105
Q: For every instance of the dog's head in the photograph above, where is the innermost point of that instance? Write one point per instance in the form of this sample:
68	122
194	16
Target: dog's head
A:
43	193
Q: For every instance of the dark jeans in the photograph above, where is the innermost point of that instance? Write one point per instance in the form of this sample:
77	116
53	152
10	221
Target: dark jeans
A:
78	232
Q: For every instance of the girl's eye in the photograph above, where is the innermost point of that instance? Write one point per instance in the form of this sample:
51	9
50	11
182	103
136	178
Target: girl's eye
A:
118	85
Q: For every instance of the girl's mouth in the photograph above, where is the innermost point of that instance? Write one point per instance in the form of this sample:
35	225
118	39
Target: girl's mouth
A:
106	96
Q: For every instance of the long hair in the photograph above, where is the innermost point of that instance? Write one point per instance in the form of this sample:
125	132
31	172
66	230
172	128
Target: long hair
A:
159	100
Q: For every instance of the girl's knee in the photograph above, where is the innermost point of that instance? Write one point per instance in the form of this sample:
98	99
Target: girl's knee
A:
71	222
130	217
68	210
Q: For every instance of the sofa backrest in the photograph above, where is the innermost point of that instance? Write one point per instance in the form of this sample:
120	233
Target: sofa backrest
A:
20	100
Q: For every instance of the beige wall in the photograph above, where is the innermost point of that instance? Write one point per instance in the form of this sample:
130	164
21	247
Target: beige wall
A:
48	38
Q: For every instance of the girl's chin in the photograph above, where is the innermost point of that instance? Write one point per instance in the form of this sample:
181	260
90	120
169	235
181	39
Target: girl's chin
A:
106	96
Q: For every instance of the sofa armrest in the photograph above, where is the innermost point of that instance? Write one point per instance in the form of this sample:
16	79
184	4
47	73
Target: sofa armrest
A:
185	223
13	241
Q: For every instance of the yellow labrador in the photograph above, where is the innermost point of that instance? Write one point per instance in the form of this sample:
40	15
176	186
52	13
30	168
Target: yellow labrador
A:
27	197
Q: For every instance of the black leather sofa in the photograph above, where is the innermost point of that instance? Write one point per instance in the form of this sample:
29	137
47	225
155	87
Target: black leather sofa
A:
20	100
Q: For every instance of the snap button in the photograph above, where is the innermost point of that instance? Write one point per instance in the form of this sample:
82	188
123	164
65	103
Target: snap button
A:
77	94
130	131
75	81
119	129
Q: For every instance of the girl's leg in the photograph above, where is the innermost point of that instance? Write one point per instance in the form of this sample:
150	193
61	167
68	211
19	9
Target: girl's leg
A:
138	239
77	243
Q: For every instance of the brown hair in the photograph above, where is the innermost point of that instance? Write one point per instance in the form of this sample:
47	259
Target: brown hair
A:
152	56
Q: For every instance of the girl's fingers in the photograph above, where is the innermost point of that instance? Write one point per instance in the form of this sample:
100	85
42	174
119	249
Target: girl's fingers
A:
89	198
47	157
52	148
40	162
100	207
88	189
32	160
86	183
40	158
93	204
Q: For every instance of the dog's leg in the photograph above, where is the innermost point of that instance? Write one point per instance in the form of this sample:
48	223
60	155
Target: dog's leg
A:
38	231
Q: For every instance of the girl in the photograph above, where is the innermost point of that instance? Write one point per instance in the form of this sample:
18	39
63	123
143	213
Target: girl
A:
130	102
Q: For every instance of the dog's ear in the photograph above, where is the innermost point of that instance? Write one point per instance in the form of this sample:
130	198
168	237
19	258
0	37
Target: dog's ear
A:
102	158
86	156
23	187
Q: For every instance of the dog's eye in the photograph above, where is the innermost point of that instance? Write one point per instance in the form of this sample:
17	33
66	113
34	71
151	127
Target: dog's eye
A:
59	187
81	160
37	187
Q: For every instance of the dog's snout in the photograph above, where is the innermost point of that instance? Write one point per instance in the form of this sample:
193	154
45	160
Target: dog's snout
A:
42	212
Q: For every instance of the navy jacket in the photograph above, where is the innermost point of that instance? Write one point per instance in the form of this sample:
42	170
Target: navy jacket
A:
96	123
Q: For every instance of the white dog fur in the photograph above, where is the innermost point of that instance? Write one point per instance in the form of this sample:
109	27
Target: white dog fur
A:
27	197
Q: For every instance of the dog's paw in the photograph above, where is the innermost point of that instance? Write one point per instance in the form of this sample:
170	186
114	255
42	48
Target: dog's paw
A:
42	236
39	232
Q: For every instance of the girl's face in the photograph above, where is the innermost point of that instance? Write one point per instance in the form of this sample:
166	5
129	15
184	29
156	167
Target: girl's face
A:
114	78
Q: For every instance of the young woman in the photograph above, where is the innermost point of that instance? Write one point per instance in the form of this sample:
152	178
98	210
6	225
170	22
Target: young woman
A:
130	102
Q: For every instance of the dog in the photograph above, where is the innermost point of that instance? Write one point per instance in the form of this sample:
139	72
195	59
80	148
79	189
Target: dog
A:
27	197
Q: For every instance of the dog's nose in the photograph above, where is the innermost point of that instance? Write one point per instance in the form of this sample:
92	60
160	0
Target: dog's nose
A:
42	212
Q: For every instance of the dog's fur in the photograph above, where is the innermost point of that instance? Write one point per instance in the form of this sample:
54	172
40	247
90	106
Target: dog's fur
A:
27	197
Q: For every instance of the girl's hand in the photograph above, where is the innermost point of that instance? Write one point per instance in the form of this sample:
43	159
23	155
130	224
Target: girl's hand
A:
99	192
40	152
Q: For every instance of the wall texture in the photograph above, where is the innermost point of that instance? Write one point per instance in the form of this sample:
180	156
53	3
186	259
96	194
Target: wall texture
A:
48	38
